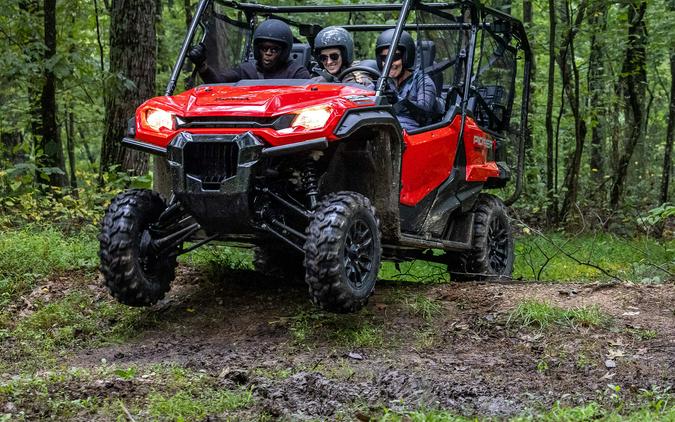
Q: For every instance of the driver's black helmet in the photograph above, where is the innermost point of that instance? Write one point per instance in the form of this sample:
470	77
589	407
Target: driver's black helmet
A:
405	43
276	31
335	37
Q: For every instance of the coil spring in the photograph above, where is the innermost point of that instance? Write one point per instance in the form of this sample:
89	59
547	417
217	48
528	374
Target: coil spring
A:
310	181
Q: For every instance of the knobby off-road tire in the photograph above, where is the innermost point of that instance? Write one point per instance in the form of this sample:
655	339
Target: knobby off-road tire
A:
133	276
279	263
491	256
342	252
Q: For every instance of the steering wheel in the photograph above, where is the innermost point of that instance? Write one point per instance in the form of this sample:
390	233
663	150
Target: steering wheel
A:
369	70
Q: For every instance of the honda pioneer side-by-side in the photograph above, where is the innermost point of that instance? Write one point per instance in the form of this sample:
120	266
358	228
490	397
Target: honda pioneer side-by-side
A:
319	177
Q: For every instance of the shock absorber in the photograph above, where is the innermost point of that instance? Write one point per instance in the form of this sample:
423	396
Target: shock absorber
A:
310	181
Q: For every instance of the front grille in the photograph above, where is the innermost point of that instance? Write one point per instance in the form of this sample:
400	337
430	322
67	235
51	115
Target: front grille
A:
211	162
279	122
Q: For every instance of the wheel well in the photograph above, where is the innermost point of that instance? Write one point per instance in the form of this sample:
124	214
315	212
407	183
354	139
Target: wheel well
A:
369	162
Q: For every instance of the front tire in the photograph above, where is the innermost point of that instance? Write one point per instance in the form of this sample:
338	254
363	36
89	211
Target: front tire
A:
492	252
342	252
134	276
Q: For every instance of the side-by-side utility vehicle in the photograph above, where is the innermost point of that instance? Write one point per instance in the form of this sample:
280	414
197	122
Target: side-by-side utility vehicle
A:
319	177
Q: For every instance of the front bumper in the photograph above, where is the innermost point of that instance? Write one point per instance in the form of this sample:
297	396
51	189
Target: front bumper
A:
212	176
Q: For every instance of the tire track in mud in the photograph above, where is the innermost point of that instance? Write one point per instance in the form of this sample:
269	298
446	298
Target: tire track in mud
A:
244	332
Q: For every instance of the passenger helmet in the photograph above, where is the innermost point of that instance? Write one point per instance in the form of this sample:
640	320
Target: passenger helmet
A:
277	31
405	43
335	37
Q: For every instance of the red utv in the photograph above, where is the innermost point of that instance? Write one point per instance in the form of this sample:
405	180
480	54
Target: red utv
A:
319	177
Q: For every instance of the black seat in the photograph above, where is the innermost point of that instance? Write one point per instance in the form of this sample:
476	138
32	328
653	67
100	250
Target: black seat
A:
426	59
301	53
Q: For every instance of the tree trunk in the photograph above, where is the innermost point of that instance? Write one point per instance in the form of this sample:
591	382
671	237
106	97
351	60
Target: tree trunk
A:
668	154
132	57
570	76
632	84
70	142
596	77
552	211
49	150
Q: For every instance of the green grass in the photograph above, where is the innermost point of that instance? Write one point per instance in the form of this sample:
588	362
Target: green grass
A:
424	307
543	315
159	392
358	330
654	410
634	259
33	252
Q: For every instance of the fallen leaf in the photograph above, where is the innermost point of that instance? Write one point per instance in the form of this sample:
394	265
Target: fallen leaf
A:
615	353
354	355
608	375
631	313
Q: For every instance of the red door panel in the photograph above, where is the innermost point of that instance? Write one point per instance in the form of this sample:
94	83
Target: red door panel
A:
427	161
479	148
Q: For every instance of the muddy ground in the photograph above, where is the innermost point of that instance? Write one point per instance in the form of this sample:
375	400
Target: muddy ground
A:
449	346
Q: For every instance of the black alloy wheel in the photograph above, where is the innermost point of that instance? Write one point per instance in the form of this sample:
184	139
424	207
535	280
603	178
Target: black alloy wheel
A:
342	252
492	252
132	271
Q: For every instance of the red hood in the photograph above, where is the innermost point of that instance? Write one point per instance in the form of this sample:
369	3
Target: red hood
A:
228	100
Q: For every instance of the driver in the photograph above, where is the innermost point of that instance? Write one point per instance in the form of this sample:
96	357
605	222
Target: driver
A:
414	98
272	43
334	50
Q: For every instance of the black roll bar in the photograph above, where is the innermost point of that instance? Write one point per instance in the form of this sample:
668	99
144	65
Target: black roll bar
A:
171	86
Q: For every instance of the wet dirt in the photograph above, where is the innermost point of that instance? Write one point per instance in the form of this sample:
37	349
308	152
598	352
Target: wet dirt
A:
464	355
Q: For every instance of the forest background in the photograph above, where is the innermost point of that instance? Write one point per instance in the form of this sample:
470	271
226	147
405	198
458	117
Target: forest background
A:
599	150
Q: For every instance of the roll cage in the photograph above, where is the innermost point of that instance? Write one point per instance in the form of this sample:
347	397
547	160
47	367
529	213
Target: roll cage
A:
487	46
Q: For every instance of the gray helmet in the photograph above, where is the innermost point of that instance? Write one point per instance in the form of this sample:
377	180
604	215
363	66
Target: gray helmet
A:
276	31
335	37
405	43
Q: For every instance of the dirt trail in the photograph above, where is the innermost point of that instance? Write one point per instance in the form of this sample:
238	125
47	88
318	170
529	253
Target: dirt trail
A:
449	346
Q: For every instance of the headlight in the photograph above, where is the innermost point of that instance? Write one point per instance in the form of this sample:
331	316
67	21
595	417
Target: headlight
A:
157	119
312	117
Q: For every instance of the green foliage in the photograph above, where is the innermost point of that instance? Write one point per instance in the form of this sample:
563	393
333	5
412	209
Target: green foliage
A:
659	214
563	257
344	330
542	315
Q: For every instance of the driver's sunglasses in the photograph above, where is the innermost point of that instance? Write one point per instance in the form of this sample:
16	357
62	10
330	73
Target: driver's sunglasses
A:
333	56
397	56
271	49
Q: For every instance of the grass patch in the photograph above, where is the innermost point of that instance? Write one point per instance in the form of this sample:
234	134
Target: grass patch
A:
186	406
75	321
649	411
35	251
159	392
542	315
345	330
424	307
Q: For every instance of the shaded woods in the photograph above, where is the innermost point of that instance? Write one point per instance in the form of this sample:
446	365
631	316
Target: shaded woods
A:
601	128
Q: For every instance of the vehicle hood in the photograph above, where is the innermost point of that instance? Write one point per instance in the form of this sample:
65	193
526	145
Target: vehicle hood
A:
268	100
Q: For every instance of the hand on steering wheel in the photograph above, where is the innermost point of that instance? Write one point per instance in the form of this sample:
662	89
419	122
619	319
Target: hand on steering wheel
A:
369	70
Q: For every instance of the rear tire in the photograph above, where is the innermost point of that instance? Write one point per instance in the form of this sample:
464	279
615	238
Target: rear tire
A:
492	253
342	252
134	276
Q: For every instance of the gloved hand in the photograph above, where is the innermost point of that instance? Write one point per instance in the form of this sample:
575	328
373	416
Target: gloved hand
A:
197	54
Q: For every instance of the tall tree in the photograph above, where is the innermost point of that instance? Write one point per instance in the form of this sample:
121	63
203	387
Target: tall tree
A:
571	80
552	210
632	85
49	150
668	153
132	68
597	20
